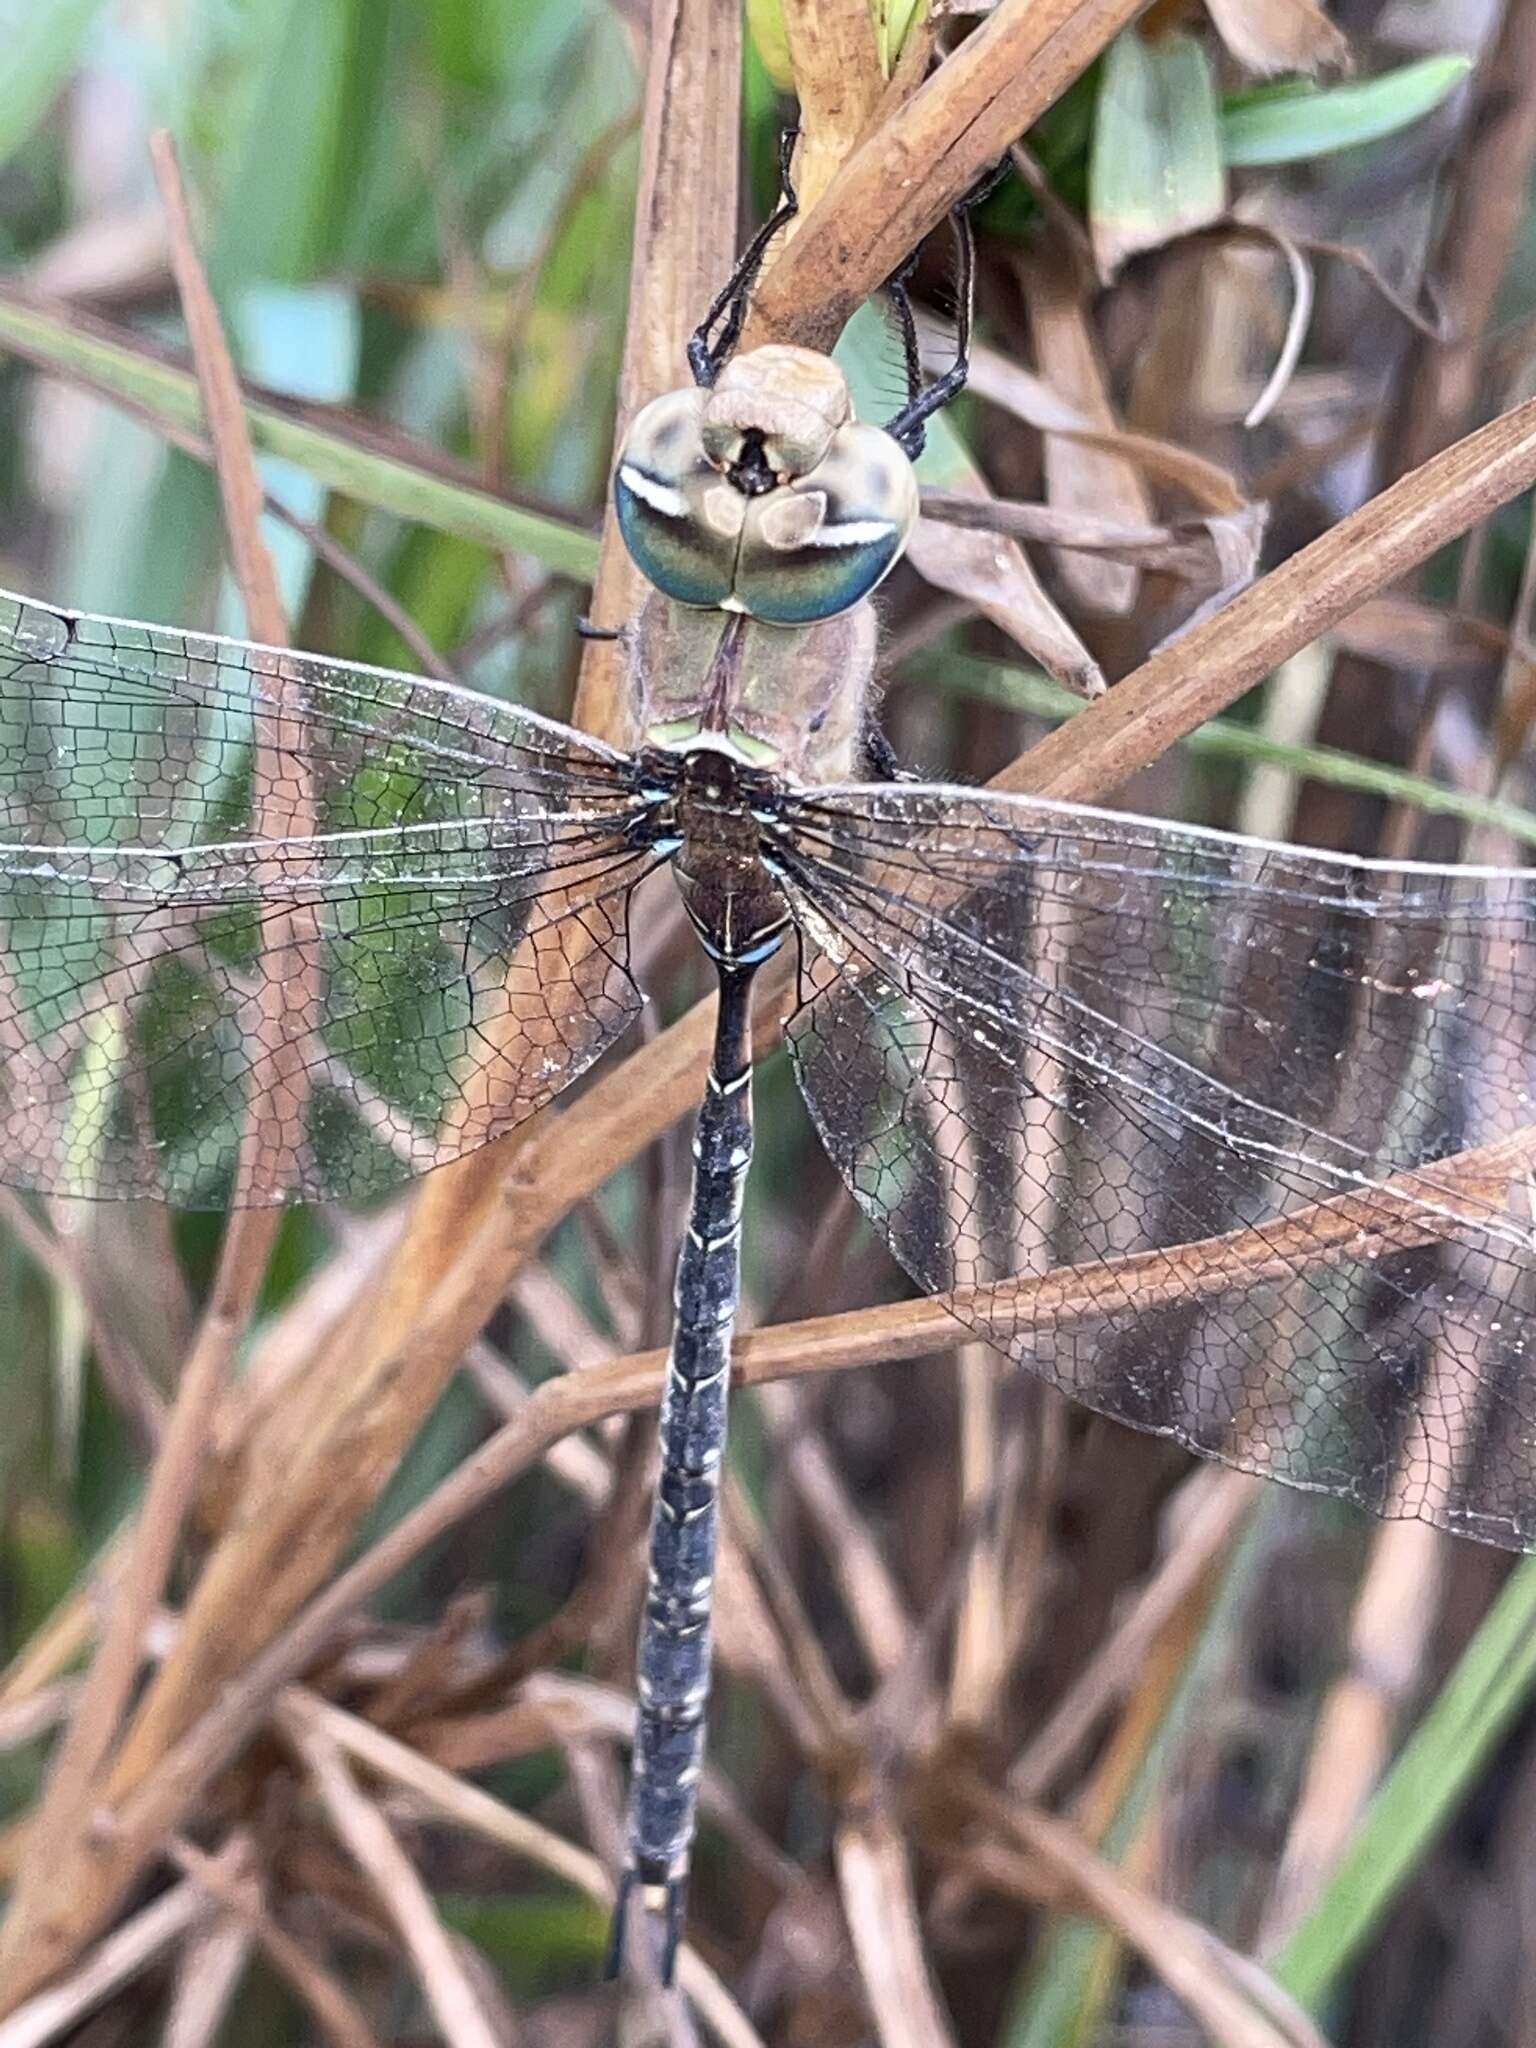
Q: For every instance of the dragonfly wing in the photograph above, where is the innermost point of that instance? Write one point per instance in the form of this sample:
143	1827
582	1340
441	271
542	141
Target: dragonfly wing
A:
387	914
1265	1119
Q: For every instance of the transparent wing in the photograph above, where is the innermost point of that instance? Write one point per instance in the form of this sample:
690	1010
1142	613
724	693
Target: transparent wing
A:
387	914
1266	1119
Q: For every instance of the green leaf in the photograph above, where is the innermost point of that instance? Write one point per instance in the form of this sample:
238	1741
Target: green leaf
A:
868	354
894	21
41	40
387	482
765	25
1155	171
1299	121
1490	1684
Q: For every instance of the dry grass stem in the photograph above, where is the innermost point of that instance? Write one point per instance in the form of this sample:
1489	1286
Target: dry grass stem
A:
1222	1990
208	1972
400	1893
1445	378
875	1885
116	1960
1389	1641
338	2017
38	1933
447	1796
1225	1500
910	171
871	1597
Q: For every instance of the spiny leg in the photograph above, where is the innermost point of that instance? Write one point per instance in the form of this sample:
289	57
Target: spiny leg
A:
706	357
883	760
907	427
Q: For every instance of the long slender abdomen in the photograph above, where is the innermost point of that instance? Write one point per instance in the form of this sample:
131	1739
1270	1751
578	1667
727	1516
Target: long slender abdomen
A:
674	1657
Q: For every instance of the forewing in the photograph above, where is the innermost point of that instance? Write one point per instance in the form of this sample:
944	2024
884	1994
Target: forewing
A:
1264	1118
384	914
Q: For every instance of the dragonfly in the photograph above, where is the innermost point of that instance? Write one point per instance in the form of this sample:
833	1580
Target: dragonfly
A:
1229	1140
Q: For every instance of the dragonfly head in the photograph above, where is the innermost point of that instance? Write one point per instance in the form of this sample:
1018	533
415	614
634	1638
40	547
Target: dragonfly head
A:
763	494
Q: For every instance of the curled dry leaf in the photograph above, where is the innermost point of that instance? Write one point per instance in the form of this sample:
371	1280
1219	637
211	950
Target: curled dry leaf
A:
1214	550
994	575
1080	478
1298	321
973	561
1279	35
1033	399
1226	531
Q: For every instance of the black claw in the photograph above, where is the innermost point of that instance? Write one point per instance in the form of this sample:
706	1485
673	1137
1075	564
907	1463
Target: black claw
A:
676	1917
674	1914
709	351
613	1959
907	426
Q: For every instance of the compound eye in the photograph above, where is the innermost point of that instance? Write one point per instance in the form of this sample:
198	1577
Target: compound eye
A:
816	546
681	520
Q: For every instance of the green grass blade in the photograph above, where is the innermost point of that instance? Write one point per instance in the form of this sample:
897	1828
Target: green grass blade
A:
385	482
1492	1682
1228	739
1295	124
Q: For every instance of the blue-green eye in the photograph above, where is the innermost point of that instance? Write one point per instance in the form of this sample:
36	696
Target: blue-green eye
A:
680	518
763	495
817	546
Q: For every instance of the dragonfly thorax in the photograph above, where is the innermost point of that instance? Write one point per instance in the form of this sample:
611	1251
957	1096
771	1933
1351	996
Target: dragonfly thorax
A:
790	702
763	494
723	816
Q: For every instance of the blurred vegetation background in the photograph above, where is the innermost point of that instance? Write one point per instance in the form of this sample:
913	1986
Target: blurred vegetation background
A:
422	210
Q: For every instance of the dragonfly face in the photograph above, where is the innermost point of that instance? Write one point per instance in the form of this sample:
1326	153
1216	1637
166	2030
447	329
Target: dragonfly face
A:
763	494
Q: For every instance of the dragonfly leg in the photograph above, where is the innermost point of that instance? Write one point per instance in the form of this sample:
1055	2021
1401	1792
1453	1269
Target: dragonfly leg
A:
709	353
884	761
908	425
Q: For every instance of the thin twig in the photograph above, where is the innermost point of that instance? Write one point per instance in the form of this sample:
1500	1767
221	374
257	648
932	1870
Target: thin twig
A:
399	1890
114	1962
335	2013
208	1972
466	1806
